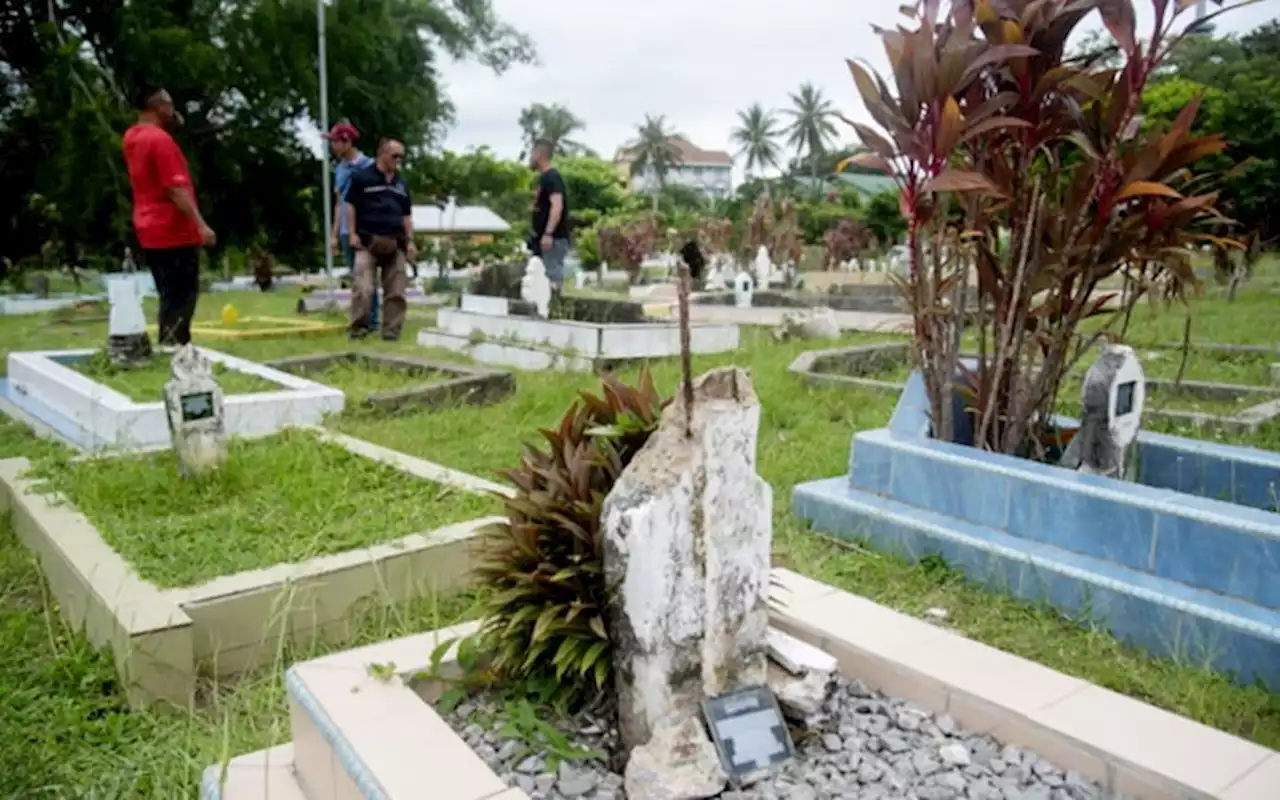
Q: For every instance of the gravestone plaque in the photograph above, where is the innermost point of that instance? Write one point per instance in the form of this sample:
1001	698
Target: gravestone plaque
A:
749	732
193	405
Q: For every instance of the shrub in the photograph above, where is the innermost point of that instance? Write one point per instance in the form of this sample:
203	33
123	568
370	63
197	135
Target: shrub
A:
544	619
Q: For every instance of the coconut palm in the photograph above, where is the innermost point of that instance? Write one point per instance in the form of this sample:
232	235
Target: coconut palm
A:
811	130
554	123
757	136
655	152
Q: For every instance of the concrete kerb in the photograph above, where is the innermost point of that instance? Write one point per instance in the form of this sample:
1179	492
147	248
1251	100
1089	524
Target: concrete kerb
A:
849	366
466	384
162	639
359	733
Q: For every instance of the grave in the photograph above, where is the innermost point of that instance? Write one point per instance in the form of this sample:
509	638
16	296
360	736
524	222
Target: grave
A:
194	404
90	415
1179	559
487	330
20	304
169	619
257	328
340	299
434	384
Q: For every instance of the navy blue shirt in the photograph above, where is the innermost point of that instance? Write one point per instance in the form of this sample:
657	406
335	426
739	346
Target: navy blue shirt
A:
381	205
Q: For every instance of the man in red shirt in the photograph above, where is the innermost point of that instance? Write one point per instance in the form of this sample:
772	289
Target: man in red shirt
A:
166	217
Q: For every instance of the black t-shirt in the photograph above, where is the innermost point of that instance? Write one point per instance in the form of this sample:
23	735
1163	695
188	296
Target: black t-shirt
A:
381	205
550	183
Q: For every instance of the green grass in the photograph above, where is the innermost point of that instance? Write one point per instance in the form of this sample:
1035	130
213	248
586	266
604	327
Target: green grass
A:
64	727
281	499
145	384
358	379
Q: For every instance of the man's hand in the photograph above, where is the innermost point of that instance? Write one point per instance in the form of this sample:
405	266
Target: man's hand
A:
354	241
334	244
207	237
546	243
411	252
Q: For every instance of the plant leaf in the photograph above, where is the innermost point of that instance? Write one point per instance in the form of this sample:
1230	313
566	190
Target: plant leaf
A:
956	180
1147	189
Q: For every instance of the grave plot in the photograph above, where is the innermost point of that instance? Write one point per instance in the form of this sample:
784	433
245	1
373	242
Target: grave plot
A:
287	541
387	382
697	669
484	330
95	406
340	299
1170	543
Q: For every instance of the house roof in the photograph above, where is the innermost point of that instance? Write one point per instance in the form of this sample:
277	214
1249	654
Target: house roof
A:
690	154
869	185
457	219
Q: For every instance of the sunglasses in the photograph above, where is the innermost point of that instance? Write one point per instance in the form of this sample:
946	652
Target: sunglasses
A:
397	156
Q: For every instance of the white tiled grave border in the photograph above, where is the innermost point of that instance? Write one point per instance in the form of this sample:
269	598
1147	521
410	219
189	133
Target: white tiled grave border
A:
107	418
361	736
161	638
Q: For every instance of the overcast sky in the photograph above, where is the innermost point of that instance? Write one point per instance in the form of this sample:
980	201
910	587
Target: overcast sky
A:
698	62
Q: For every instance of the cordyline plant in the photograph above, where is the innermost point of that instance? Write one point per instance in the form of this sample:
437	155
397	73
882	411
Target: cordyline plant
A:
846	240
628	244
1028	171
544	619
786	242
759	228
714	235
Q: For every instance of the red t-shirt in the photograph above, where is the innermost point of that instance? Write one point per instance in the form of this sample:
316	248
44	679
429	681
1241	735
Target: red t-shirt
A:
156	164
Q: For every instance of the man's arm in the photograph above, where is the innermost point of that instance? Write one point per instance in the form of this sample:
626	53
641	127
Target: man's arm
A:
173	176
411	249
553	216
349	208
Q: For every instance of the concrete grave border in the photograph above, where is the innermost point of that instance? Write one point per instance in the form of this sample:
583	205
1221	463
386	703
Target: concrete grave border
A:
161	638
868	359
92	415
284	327
470	385
361	736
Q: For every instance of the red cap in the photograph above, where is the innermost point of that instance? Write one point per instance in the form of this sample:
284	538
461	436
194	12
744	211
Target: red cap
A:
343	131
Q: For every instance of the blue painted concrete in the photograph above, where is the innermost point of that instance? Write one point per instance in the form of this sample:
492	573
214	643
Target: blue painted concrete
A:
1163	616
1173	562
66	428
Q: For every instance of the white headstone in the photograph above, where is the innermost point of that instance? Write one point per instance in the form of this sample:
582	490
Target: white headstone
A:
127	340
193	404
764	267
128	265
579	279
743	290
1114	394
805	324
687	537
534	286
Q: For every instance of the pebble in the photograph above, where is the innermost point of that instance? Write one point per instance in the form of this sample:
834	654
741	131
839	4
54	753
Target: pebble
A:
862	744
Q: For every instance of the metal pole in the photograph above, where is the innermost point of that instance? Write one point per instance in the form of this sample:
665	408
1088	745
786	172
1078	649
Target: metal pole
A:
324	156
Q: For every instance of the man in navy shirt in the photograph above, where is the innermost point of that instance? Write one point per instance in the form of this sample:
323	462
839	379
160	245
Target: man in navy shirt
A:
380	230
342	142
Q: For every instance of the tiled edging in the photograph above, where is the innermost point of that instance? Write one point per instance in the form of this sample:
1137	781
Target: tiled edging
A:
235	622
361	736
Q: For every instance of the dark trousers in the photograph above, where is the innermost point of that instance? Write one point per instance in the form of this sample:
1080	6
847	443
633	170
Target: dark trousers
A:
177	274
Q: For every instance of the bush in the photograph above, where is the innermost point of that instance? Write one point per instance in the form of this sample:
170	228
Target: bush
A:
544	620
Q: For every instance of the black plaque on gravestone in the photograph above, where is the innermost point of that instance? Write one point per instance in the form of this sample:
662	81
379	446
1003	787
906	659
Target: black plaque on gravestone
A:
1124	398
749	732
196	407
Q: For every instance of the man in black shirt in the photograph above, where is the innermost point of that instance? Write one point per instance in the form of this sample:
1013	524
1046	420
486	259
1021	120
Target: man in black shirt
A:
550	235
380	220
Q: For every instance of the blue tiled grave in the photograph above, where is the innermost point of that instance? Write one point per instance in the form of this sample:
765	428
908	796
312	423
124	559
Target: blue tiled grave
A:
1183	561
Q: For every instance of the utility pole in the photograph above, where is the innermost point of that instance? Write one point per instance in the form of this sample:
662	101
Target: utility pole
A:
327	196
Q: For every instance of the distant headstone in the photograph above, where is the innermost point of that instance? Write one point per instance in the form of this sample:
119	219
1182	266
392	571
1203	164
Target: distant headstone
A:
127	340
534	286
40	285
764	267
193	405
811	323
743	290
128	264
579	280
1114	395
749	733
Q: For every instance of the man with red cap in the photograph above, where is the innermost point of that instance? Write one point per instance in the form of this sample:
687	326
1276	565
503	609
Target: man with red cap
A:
342	142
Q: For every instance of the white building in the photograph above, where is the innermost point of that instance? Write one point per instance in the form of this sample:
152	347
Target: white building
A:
706	171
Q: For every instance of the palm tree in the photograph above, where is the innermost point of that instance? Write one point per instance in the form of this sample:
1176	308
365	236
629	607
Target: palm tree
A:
552	122
757	136
811	130
655	151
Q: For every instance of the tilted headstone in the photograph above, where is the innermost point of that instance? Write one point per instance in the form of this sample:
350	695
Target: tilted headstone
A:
743	290
1114	394
534	286
193	404
687	536
127	340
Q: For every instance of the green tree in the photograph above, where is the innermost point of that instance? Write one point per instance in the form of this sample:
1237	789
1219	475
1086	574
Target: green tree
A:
812	128
757	137
553	122
655	152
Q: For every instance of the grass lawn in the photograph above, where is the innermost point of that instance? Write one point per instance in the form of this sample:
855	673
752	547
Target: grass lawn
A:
66	732
359	379
145	384
279	499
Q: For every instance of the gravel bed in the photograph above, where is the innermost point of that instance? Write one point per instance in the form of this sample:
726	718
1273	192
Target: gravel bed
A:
864	745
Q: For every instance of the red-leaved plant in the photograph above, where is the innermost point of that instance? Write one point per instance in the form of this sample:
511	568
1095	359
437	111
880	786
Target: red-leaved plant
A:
1027	171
